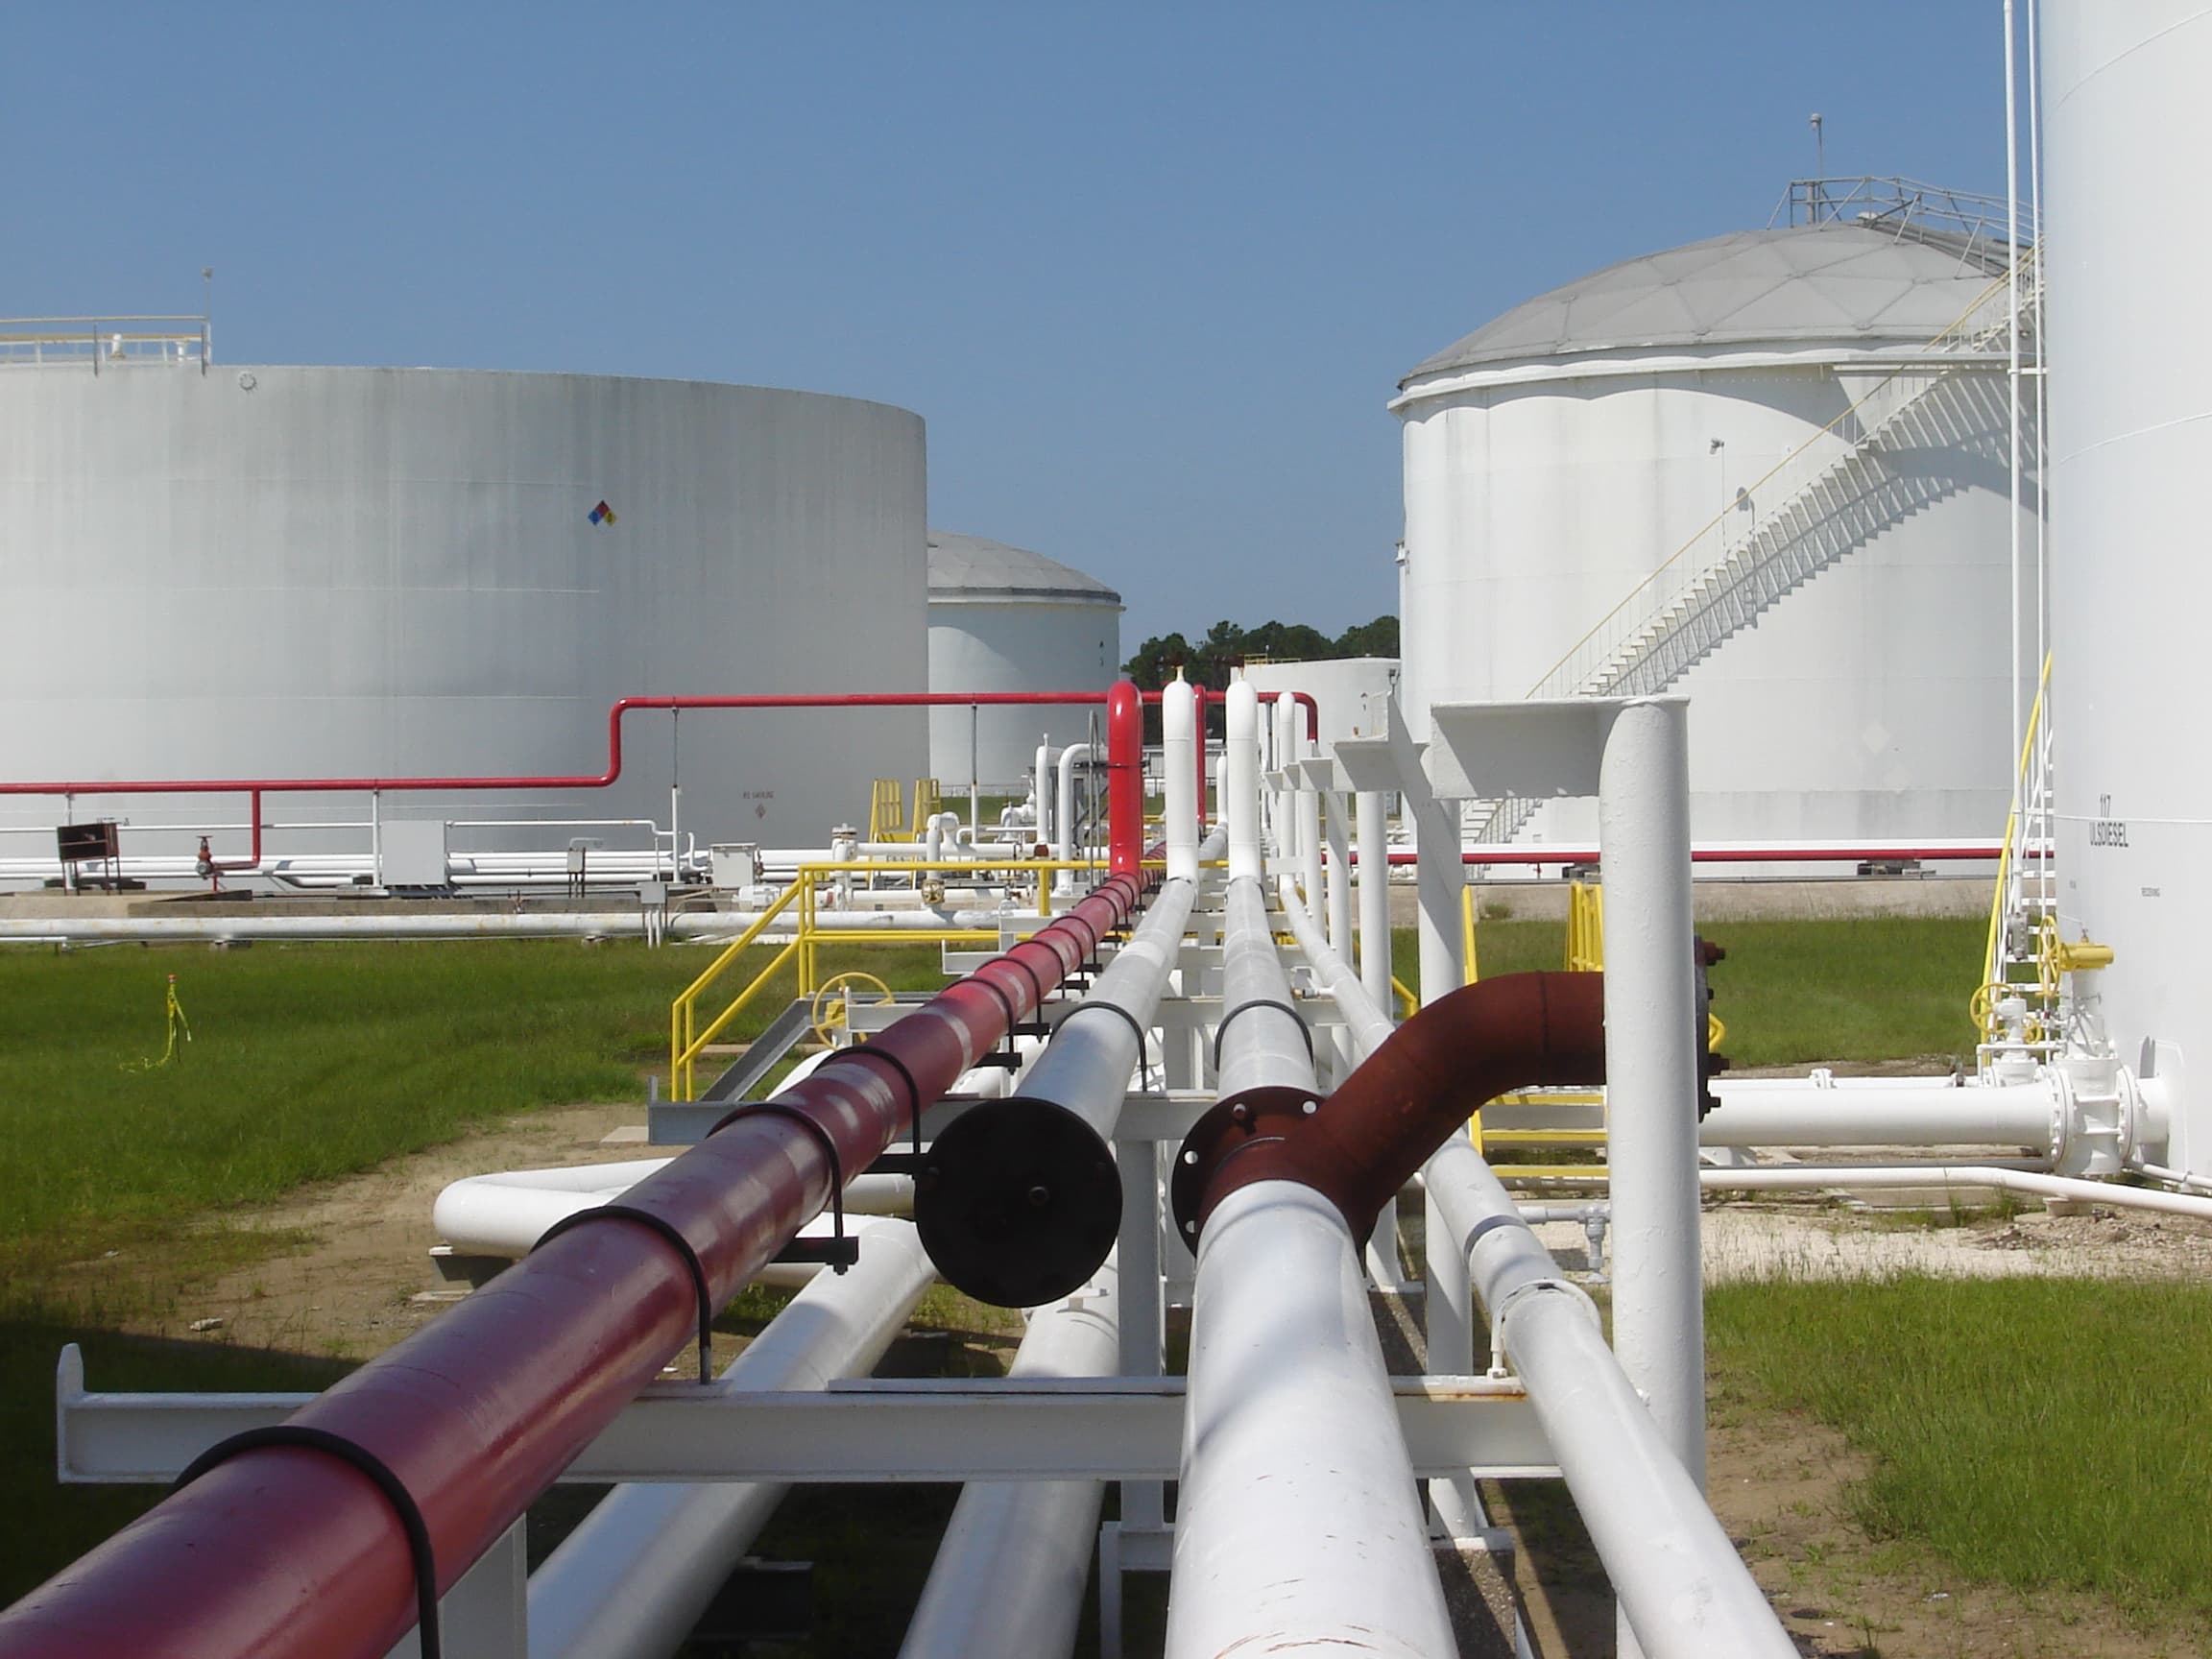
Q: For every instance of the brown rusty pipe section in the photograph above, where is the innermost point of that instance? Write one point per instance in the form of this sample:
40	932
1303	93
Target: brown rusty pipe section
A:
1363	1142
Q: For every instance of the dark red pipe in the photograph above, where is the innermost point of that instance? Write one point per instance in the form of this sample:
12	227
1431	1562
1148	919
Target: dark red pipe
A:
1518	1031
1198	721
286	1551
1124	778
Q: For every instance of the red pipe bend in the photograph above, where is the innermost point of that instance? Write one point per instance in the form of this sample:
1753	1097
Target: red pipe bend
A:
1366	1141
286	1551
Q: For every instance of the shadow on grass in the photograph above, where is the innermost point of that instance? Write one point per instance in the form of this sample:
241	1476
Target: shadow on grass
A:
46	1525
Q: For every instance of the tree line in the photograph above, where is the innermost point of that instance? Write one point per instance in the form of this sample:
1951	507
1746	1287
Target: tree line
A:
1225	646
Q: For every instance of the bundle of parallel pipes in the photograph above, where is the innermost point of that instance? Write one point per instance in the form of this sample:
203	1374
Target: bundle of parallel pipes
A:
1312	1501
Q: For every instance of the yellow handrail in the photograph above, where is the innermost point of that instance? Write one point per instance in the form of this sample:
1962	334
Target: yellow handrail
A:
687	1041
1983	1005
1468	972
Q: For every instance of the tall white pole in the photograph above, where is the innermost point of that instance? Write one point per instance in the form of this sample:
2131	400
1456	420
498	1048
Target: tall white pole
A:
2016	731
1179	762
1241	780
1653	1032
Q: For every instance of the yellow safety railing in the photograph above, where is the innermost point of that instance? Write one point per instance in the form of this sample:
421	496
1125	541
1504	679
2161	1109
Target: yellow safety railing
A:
1585	928
1983	1005
929	802
1468	971
887	811
689	1037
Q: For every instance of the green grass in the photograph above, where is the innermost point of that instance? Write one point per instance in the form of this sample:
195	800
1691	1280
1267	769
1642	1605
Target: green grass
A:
1798	992
308	1063
2041	1433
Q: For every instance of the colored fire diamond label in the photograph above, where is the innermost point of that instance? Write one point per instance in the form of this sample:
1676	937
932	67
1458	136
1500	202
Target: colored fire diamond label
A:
602	514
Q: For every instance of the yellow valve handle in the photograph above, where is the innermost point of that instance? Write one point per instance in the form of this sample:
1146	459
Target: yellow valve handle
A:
827	1012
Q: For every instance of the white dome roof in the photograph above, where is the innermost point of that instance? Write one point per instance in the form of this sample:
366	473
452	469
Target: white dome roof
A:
1853	283
966	569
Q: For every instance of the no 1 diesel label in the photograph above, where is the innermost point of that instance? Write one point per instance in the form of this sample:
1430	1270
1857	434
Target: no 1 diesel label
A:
2105	830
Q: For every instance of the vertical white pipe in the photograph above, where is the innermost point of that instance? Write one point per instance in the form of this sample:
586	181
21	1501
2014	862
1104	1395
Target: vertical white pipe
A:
1179	760
1337	829
1296	1527
1373	835
1653	1028
1042	772
1284	798
1241	780
1009	1576
1442	878
632	1579
2015	732
1064	813
1306	806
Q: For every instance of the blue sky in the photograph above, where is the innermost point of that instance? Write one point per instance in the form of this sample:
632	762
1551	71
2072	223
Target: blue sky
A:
1150	273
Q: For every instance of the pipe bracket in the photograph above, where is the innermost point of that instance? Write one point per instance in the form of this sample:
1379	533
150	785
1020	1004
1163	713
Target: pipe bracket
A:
669	1231
841	1249
1512	1299
379	1473
1221	1026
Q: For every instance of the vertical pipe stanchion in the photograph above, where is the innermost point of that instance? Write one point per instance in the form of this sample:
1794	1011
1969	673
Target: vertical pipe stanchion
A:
1442	880
1306	808
1178	721
1125	779
1241	780
1374	841
1652	1065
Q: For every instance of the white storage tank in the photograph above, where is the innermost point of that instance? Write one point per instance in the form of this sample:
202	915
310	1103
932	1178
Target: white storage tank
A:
1006	619
314	572
2130	450
1767	470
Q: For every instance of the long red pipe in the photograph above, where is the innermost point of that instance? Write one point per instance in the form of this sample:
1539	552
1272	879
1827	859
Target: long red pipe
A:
613	771
288	1551
1124	778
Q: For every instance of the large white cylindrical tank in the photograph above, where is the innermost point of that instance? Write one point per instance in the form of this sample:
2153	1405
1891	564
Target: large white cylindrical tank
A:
1665	409
1006	619
317	572
2130	450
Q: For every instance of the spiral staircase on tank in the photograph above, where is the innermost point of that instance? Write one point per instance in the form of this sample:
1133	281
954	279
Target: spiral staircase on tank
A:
1902	439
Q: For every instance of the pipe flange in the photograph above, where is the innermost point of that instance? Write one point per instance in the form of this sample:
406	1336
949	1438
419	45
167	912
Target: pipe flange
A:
1231	1126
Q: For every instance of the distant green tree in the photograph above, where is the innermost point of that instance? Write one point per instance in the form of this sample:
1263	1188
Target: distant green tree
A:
1376	638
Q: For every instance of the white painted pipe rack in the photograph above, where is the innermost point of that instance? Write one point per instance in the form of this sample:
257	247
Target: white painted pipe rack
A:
1804	1177
633	1578
1010	1573
1683	1590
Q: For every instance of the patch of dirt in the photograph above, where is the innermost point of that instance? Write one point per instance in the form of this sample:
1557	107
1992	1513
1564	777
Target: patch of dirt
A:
352	1292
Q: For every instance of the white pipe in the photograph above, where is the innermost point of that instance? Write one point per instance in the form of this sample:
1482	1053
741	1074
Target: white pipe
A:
1297	1528
1337	831
704	925
1087	1066
1064	813
632	1579
1009	1576
1260	1041
1179	760
1799	1176
1364	1020
1041	792
1373	833
1653	1032
1925	1112
506	1212
1683	1592
1241	780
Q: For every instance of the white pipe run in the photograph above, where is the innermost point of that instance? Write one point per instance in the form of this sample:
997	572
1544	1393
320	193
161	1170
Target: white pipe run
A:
1087	1066
633	1579
505	1214
1010	1573
1179	761
1880	1112
1240	778
1297	1528
1364	1020
1261	1042
1684	1591
1799	1177
705	925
